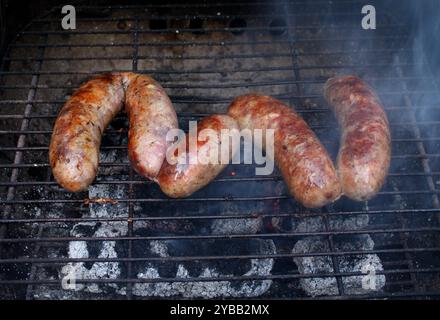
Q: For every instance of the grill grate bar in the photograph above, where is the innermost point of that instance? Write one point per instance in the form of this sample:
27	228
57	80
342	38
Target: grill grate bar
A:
390	38
125	164
232	236
334	258
110	131
207	71
18	157
218	100
197	114
390	50
231	179
213	17
29	149
276	54
135	59
210	4
234	216
225	198
232	85
223	278
51	261
219	30
221	17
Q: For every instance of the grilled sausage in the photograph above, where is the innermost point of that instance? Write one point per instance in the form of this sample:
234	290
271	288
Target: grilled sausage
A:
151	116
365	145
74	147
183	179
303	161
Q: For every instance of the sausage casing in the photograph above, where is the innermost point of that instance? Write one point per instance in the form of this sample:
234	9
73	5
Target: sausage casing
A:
182	180
151	116
76	137
303	161
74	147
365	145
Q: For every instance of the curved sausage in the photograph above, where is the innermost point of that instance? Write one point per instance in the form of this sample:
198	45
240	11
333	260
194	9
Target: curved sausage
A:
183	179
303	161
365	145
151	115
74	146
76	137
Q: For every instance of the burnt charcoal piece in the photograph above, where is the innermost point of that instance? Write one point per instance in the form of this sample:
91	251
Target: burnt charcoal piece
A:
203	268
368	264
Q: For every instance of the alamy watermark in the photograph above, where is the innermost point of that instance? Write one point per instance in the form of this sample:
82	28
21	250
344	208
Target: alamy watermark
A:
369	280
369	20
69	20
69	276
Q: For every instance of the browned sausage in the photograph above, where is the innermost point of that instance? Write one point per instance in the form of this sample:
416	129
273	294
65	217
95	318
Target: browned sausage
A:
74	147
303	161
365	146
181	180
151	115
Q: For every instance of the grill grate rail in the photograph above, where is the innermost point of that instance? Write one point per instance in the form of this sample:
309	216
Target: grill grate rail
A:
290	62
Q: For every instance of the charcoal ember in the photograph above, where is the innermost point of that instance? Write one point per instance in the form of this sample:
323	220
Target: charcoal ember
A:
368	264
162	269
205	269
94	249
98	249
98	270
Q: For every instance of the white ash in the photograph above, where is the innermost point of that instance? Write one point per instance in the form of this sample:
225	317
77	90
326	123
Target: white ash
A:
208	289
112	270
79	249
367	264
110	191
99	270
236	226
159	247
336	222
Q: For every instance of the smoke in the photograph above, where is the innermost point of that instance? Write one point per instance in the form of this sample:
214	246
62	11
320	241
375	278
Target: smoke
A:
423	96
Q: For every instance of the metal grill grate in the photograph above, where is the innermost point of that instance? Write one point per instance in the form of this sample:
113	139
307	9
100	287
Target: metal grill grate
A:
145	244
